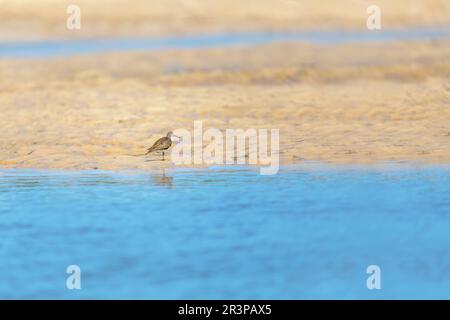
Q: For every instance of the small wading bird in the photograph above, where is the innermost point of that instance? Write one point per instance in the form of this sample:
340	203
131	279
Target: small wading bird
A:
162	144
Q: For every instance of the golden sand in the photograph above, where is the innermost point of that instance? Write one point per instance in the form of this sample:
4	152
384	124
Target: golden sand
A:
46	19
354	103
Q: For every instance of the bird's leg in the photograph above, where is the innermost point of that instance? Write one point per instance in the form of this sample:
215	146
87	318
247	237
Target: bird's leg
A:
163	155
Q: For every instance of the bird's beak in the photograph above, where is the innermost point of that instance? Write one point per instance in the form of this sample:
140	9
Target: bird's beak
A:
179	138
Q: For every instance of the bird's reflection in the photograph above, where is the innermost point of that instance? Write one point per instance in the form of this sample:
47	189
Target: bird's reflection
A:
161	179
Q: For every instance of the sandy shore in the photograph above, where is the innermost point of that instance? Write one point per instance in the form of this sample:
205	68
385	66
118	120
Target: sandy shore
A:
46	19
354	103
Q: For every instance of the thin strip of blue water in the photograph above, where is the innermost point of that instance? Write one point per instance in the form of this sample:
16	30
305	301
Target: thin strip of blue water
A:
46	49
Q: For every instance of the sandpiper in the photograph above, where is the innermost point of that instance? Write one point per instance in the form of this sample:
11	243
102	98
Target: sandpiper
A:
162	144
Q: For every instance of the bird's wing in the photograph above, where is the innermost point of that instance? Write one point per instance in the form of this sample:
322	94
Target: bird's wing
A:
158	145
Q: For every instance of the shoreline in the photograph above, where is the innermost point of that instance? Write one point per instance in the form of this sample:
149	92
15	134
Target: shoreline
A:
306	166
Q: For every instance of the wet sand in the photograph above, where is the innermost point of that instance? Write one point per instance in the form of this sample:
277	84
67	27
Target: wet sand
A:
348	103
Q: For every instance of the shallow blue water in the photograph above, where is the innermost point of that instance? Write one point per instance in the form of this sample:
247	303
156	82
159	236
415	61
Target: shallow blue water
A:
226	233
60	48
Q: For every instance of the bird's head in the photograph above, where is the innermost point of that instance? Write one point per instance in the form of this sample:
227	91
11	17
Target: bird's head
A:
170	135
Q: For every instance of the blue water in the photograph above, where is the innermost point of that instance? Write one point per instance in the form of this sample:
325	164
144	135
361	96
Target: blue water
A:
308	232
44	49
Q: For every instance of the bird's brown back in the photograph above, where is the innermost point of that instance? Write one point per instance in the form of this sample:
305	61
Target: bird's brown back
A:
163	143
